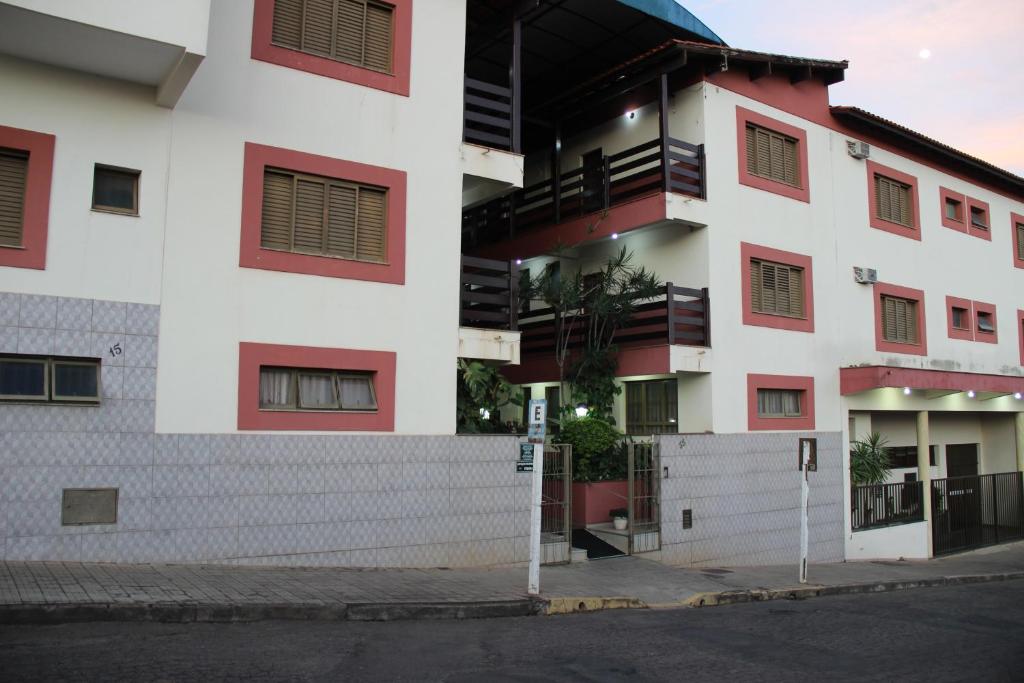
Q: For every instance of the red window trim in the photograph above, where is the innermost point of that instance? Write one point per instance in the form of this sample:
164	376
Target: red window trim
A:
980	233
913	232
397	82
258	157
1015	218
1020	334
779	322
958	225
252	356
804	384
745	116
953	332
986	337
36	207
918	349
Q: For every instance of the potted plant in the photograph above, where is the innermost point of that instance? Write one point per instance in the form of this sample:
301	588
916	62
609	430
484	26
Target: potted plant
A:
620	518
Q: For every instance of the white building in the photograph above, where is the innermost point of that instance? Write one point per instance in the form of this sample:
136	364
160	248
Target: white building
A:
201	201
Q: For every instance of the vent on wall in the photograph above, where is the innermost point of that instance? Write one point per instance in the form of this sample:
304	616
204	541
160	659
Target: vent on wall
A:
858	150
688	518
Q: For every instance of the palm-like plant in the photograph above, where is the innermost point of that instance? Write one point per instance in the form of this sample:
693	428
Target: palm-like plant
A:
869	460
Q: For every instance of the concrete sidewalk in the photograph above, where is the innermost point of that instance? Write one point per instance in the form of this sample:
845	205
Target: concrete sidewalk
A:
53	592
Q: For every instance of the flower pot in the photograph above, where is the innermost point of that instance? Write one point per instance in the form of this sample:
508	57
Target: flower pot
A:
620	523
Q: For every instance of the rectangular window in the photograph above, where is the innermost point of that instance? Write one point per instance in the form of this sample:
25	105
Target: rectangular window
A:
979	218
1019	231
322	216
960	318
772	155
58	380
985	323
776	288
652	407
358	32
892	201
115	190
13	172
954	209
779	402
901	457
899	320
316	390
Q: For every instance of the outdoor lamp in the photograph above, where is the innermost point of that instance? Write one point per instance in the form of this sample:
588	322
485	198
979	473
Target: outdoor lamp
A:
581	410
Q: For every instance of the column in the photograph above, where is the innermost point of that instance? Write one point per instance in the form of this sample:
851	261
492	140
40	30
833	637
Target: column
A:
1018	424
924	471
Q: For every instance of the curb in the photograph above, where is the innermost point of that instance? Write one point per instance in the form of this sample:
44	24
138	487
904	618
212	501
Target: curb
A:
716	599
183	613
590	604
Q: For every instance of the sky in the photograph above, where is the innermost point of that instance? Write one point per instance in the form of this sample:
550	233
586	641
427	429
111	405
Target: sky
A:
950	69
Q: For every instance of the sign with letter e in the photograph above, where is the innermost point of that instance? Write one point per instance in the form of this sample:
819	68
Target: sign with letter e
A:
538	414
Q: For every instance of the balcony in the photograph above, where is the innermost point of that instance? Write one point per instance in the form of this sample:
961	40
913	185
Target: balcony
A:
155	43
491	162
664	164
488	307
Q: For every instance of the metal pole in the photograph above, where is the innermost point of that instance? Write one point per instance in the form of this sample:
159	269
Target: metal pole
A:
805	457
533	586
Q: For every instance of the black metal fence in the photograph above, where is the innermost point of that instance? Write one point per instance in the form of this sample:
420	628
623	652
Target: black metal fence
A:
974	511
882	505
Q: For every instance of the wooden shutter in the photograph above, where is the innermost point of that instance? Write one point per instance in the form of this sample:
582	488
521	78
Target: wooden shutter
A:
892	201
776	288
1020	241
318	27
377	52
278	196
351	17
13	171
287	26
756	300
899	320
341	221
309	215
370	233
764	153
790	165
772	155
751	150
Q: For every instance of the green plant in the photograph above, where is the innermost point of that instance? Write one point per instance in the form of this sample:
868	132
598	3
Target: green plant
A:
622	513
869	460
597	449
482	392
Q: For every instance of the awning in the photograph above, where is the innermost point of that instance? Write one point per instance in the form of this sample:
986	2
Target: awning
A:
940	382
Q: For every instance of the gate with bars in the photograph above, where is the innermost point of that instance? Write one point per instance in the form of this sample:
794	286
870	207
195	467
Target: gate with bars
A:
556	505
978	510
644	497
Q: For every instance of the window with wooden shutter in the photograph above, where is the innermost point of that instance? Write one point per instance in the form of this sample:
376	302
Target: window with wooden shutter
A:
357	32
13	170
323	216
892	201
899	320
1020	241
772	155
776	288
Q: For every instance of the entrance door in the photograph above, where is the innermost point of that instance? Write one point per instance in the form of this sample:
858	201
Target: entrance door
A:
644	498
962	460
593	181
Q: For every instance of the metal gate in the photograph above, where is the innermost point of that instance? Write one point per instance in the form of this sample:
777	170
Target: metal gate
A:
974	511
556	505
644	498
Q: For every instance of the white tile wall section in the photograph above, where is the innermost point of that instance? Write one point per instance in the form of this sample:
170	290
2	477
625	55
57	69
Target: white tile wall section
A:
744	490
274	499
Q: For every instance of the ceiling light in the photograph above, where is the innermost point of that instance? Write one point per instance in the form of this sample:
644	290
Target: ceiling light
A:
970	393
906	391
1017	396
519	261
615	235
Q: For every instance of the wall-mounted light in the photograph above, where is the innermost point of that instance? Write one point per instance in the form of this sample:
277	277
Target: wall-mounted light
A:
615	235
631	114
1017	396
582	410
906	391
970	393
485	414
519	261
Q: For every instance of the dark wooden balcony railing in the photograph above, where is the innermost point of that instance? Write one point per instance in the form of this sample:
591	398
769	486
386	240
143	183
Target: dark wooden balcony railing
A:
659	165
679	316
488	294
490	115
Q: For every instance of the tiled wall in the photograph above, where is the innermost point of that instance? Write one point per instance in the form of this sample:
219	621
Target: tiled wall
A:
339	500
744	490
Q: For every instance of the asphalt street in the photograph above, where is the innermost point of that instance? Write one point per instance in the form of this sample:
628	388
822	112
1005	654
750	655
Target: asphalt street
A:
965	633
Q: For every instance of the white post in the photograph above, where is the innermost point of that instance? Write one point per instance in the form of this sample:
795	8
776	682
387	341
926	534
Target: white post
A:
533	587
805	457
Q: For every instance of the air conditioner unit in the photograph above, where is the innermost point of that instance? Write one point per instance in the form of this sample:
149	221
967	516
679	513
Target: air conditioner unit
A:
865	276
858	150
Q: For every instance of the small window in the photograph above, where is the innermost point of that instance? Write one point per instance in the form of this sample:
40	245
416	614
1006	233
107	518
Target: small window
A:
772	155
902	457
323	216
892	201
899	320
954	209
316	390
985	322
979	218
779	402
13	172
115	190
357	32
652	407
1020	241
776	289
30	378
960	318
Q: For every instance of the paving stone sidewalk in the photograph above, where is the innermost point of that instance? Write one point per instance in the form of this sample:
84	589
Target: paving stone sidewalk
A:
470	592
